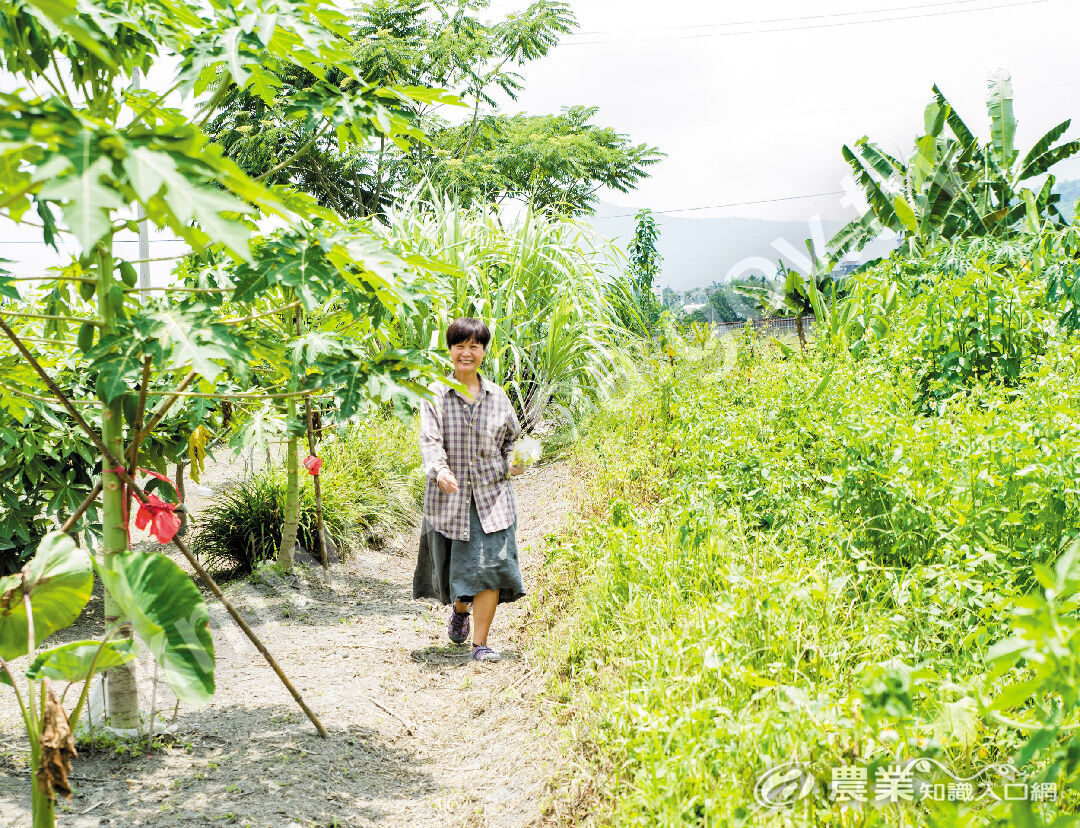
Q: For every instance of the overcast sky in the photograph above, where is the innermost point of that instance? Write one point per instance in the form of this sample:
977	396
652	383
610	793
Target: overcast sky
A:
759	110
752	101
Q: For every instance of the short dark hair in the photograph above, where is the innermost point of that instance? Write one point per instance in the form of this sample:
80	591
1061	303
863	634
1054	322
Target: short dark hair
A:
466	329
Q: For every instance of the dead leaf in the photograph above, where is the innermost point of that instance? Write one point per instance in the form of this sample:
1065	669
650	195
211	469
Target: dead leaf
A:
57	749
197	451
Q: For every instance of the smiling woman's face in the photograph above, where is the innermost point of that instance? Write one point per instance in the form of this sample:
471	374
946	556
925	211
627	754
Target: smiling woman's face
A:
467	356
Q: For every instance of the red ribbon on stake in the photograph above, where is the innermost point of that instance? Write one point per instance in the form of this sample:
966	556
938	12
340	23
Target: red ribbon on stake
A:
313	464
158	514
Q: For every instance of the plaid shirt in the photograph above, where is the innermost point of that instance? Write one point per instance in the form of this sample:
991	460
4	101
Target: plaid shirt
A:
475	443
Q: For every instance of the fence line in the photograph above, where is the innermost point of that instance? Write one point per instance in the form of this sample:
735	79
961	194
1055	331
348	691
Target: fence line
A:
766	326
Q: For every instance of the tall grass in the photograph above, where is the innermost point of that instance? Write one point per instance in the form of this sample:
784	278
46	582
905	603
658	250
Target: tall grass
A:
740	594
373	466
540	284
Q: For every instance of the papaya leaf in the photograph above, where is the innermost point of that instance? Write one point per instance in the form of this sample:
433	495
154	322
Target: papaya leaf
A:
87	202
263	424
191	341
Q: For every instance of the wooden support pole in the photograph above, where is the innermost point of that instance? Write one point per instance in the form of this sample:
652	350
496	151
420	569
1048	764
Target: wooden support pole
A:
318	490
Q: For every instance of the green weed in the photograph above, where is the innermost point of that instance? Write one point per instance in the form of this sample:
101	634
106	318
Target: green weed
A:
790	560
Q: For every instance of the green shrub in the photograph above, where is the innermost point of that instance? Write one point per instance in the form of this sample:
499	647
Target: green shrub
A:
242	527
968	313
371	482
373	472
46	469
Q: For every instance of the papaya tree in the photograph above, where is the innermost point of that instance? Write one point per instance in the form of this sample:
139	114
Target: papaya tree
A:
82	150
342	288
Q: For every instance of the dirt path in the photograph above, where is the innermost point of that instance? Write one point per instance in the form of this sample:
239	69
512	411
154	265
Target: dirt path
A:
450	742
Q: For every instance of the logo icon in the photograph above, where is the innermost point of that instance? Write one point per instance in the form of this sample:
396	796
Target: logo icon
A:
784	785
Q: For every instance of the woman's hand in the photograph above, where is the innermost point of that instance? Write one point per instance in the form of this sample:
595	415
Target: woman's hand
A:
515	470
447	482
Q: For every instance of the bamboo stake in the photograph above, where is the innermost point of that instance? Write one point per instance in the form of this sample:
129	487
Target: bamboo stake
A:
121	472
318	493
319	527
78	513
53	317
250	633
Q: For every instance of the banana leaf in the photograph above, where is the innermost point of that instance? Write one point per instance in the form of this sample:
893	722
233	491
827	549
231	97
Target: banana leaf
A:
999	104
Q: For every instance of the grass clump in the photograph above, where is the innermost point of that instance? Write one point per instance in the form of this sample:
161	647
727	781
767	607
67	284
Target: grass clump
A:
371	482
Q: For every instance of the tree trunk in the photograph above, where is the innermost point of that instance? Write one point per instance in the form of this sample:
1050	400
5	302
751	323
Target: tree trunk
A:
122	691
292	495
376	206
472	129
180	492
800	332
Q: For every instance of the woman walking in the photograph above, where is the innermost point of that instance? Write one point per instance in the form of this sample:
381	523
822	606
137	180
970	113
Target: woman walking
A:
468	543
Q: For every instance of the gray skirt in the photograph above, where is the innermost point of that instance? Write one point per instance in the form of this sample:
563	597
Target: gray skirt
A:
450	570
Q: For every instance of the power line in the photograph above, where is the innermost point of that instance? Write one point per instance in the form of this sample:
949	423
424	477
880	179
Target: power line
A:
846	110
732	204
788	19
117	241
1026	3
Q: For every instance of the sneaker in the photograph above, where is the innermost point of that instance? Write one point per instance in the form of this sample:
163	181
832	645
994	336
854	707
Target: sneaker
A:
458	626
484	653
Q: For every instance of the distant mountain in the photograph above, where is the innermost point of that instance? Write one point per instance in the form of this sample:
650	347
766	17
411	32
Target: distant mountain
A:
700	251
1069	192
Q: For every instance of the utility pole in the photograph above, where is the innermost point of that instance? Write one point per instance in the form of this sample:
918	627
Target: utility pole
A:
140	214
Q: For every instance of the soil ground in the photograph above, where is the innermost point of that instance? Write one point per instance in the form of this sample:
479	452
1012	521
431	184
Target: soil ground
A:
420	735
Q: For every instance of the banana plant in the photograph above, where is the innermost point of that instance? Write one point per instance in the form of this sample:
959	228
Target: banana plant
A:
795	293
165	610
951	186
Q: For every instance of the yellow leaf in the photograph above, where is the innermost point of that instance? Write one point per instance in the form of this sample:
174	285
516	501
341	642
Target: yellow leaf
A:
196	447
